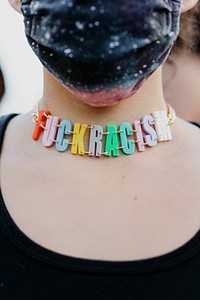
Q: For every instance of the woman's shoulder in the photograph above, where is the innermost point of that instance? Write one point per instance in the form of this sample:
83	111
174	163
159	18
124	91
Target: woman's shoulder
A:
186	150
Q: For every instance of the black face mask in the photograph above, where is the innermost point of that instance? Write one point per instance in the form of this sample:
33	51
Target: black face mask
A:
102	50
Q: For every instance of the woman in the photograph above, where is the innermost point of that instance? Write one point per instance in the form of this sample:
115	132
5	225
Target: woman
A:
93	221
181	72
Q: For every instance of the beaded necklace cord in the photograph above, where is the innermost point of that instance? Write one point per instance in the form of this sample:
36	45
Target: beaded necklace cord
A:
147	132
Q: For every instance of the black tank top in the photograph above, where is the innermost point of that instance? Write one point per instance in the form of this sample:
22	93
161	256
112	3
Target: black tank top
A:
29	271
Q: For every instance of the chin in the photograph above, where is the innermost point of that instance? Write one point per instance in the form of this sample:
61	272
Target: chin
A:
107	96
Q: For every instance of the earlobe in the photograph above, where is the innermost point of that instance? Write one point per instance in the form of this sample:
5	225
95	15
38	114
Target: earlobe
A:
15	4
187	5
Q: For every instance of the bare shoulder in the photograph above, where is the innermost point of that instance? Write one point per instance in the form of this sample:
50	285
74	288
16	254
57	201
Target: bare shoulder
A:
187	147
188	136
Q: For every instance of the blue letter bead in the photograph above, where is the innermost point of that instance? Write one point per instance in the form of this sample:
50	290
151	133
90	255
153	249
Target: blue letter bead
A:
61	143
128	144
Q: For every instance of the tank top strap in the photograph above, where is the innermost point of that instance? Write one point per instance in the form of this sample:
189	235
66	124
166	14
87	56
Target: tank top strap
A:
4	120
196	123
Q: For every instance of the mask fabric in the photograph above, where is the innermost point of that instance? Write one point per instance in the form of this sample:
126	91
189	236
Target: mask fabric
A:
102	51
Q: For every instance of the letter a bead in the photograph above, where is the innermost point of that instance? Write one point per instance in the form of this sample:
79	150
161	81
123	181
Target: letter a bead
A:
112	141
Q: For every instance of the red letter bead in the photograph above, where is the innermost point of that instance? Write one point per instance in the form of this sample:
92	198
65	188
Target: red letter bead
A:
41	121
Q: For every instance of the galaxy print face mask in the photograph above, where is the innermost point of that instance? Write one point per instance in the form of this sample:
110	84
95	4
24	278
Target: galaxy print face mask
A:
102	51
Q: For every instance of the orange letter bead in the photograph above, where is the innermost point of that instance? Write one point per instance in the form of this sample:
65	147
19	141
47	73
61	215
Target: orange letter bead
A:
41	121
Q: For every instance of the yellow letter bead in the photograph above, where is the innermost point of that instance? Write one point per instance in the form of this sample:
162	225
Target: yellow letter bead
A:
151	138
161	125
78	135
96	140
112	143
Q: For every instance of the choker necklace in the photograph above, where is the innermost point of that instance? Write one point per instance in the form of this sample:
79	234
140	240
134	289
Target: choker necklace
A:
125	138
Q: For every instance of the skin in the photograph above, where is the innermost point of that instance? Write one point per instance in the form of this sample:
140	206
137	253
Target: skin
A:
183	70
139	206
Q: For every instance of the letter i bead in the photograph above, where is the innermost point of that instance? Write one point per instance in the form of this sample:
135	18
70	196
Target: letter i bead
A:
139	136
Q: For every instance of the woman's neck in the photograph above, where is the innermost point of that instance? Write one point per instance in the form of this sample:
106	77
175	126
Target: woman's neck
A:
60	102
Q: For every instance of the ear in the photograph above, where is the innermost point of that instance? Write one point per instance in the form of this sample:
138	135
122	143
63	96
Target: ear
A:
188	4
15	4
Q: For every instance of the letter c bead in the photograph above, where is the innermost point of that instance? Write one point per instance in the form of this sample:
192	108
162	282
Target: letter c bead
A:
129	145
61	143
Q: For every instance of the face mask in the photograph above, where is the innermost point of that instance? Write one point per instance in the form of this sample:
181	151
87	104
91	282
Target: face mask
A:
102	51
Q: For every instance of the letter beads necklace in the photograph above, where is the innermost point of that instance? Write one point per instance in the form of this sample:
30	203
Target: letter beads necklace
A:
126	138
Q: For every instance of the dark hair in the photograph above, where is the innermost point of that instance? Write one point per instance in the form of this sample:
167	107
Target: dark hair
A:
189	37
2	86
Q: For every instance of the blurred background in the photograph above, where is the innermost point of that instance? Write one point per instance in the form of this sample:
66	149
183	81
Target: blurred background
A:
21	69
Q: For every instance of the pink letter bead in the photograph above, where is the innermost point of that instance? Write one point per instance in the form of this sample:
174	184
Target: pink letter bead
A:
51	131
139	136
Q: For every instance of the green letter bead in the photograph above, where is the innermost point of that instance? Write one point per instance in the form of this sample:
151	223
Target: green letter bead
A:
112	141
128	144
